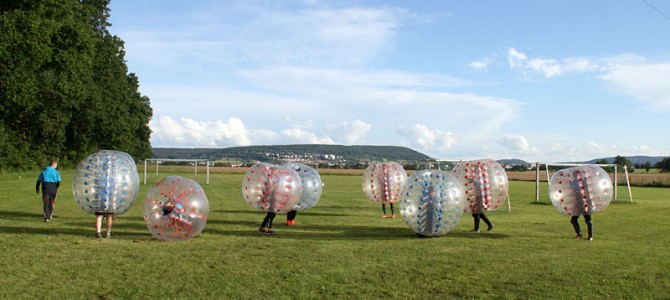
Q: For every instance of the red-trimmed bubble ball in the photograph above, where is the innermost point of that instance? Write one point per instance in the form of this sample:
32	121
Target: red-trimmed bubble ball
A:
176	209
272	188
432	202
383	182
106	182
580	190
485	183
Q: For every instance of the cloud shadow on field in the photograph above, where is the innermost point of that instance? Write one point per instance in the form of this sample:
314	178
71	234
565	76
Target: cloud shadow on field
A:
20	215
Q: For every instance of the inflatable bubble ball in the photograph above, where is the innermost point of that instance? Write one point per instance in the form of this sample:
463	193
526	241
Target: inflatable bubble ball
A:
272	188
312	186
580	190
383	182
106	182
175	209
485	183
432	202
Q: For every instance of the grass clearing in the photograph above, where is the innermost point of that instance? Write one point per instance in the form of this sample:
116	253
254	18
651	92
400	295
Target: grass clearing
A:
341	248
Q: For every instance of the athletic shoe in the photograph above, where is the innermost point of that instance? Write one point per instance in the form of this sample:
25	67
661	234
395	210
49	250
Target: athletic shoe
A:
98	235
384	216
475	231
590	238
578	237
270	232
490	228
292	222
261	229
393	216
109	235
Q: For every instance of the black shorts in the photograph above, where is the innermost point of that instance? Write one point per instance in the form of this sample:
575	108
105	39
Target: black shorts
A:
104	214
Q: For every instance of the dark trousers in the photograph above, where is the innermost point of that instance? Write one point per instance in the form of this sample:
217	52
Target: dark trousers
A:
267	221
384	207
48	206
290	216
482	216
589	224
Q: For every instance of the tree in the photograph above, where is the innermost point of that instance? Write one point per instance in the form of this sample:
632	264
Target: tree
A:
65	89
623	161
664	165
647	166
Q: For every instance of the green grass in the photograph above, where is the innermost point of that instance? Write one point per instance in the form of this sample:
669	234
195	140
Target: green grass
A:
341	248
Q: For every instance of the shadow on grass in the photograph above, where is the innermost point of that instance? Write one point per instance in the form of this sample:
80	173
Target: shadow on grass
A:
539	203
320	232
60	231
258	213
20	215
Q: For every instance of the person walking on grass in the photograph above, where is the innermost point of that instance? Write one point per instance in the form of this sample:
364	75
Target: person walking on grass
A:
49	179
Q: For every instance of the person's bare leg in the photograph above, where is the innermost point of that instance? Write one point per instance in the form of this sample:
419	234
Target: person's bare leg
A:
109	225
98	224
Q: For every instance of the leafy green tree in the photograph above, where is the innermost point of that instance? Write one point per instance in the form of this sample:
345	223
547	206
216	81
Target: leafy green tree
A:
65	89
623	161
664	165
647	166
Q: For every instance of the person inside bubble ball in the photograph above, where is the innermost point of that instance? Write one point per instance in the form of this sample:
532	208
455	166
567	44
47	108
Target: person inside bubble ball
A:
428	219
582	205
384	215
266	225
49	179
290	217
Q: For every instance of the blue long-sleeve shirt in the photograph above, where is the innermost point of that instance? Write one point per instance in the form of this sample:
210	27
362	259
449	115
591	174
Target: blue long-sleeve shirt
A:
49	179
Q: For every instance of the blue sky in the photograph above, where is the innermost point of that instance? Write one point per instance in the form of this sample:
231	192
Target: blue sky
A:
539	80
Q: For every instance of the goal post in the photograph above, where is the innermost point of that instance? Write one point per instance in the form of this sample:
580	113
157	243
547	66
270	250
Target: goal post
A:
566	165
159	160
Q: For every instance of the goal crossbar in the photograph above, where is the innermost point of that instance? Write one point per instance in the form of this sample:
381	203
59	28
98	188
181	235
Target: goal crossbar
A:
159	160
616	178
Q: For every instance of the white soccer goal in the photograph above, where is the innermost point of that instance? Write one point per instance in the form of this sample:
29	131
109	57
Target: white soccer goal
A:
158	161
615	181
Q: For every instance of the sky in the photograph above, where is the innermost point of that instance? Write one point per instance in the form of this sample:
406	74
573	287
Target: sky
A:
538	80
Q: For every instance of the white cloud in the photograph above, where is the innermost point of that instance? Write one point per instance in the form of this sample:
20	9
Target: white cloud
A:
424	138
350	132
188	132
480	64
300	136
647	82
548	67
515	142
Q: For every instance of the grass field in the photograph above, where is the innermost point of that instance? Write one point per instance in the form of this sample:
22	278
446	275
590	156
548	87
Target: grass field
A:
341	248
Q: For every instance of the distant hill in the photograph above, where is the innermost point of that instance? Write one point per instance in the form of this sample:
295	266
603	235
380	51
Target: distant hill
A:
514	162
337	154
635	160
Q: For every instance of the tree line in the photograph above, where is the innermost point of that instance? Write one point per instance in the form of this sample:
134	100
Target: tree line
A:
65	89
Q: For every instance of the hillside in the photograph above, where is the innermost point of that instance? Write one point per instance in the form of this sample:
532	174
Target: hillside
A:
336	154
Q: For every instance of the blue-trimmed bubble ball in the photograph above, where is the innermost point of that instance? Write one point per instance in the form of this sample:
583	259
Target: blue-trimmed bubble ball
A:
106	182
432	202
176	209
312	186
